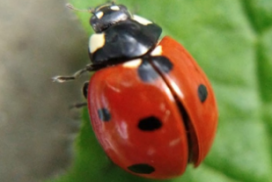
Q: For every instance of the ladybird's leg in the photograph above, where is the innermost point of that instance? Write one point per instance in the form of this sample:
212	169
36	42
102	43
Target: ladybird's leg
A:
84	92
62	79
85	89
88	68
78	105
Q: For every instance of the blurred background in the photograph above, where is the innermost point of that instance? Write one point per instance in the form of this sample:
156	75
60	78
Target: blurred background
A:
39	39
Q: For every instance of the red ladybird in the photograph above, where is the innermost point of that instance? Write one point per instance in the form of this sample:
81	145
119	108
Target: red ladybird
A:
151	106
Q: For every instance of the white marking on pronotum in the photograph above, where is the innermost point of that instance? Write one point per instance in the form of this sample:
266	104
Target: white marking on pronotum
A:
99	14
96	41
157	51
141	20
115	8
133	63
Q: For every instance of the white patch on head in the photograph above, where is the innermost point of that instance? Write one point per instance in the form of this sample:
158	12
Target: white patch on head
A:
133	63
157	51
99	14
96	41
115	8
141	20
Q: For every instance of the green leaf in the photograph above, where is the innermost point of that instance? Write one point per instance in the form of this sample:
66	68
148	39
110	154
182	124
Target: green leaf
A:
232	41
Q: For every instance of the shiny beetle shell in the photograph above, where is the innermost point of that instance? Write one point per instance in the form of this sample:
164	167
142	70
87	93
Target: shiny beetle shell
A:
151	106
154	115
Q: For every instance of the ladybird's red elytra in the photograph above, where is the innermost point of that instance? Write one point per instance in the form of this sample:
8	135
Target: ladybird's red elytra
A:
195	94
151	106
141	129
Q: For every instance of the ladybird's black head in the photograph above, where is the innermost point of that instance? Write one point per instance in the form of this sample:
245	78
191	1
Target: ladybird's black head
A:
107	15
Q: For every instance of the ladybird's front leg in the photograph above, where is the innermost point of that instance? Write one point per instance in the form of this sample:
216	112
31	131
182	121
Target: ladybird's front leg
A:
88	68
61	79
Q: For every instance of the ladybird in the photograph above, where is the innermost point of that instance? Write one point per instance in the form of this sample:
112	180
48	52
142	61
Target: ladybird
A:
151	106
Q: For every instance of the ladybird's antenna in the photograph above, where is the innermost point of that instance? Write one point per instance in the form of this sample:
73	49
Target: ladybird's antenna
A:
70	6
113	2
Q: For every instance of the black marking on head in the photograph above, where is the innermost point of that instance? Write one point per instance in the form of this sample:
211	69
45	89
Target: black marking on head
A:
104	114
85	89
146	72
141	168
162	63
202	92
149	124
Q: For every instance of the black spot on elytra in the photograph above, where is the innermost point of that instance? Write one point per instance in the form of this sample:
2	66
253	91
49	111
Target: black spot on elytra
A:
85	89
202	92
149	124
141	168
146	72
162	63
104	114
